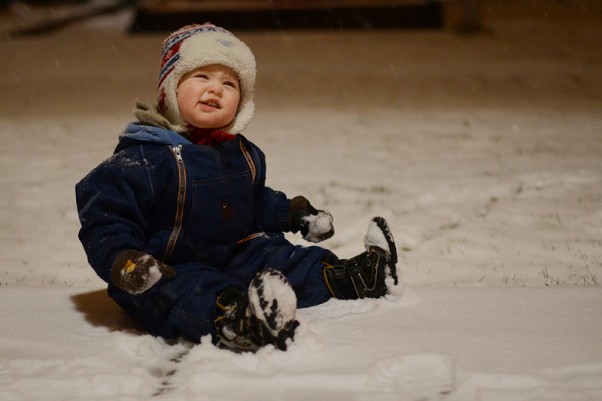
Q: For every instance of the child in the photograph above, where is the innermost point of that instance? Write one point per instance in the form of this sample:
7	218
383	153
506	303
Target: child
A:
181	226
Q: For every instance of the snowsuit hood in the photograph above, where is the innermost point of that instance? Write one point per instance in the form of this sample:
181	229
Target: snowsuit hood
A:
136	134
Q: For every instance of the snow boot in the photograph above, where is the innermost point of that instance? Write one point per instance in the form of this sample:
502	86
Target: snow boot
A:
264	315
365	275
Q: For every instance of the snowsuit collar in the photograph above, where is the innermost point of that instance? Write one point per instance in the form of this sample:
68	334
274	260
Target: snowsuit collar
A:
137	133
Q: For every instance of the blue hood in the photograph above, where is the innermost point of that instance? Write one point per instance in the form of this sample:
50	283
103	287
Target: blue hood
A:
136	134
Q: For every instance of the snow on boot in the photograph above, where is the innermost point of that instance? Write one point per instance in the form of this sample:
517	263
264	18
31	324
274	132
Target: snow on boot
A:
264	315
364	276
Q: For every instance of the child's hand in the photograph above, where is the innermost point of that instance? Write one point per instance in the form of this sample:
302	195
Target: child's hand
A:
135	271
315	225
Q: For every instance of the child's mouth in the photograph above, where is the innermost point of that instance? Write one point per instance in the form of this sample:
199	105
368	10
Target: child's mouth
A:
210	105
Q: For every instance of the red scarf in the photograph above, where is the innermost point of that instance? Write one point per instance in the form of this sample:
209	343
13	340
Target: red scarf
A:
210	138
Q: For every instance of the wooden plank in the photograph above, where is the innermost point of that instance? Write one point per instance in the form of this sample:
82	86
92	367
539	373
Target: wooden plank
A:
290	14
253	5
70	16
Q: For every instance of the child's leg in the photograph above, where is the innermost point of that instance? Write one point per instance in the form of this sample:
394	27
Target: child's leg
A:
365	275
184	305
301	265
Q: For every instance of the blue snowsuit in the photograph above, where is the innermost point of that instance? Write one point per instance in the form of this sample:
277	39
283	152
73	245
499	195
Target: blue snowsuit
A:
203	210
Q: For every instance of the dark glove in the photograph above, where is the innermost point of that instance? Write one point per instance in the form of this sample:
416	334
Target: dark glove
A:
135	271
315	225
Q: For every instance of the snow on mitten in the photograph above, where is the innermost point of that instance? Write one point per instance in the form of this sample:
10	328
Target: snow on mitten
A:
135	271
315	225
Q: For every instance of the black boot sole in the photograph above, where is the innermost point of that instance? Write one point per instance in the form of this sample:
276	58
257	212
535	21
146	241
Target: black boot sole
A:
381	223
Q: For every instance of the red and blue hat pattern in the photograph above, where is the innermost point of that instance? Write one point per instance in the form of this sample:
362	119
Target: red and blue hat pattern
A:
171	46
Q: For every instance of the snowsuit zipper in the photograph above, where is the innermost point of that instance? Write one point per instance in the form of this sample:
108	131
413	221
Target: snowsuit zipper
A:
179	217
249	159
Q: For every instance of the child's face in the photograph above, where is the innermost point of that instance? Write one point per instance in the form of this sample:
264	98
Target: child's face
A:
208	97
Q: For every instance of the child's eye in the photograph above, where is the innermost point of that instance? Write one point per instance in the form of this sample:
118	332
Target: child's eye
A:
232	84
201	75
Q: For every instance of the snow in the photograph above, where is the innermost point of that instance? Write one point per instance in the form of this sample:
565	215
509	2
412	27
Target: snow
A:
482	152
154	275
319	225
375	237
273	300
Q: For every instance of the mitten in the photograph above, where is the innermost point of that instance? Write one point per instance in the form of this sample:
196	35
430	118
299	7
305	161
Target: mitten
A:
135	271
315	225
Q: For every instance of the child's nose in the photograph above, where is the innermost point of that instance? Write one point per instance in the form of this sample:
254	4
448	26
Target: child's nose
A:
215	88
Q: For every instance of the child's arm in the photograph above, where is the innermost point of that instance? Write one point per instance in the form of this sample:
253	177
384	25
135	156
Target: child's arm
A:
276	213
114	203
294	215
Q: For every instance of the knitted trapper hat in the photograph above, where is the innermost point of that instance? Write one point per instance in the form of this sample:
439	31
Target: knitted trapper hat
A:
195	46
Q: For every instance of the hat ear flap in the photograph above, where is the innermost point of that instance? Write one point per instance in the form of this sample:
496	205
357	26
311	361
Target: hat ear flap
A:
244	115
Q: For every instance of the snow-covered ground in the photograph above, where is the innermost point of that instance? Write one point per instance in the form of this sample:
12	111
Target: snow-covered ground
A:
483	153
